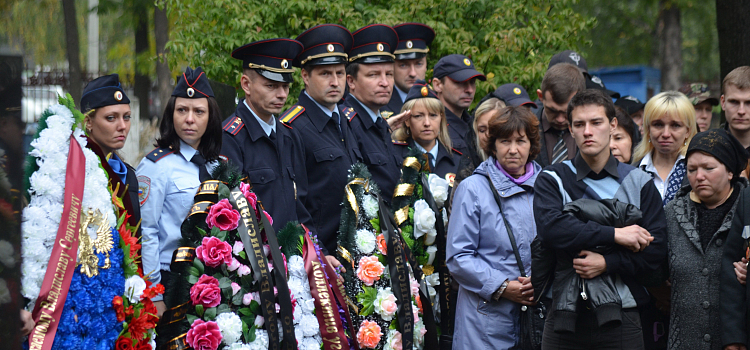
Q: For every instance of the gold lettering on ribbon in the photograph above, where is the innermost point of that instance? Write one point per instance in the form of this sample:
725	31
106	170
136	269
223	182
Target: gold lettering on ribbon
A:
184	254
326	304
199	208
209	187
403	283
403	190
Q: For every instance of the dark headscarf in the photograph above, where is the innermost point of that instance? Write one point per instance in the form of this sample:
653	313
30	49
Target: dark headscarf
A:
722	146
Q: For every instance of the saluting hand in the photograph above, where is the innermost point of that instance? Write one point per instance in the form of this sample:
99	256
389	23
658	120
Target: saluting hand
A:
397	121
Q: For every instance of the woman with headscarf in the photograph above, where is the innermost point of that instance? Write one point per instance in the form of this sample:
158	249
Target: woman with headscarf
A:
698	221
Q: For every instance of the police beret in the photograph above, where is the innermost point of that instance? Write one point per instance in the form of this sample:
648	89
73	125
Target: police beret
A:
193	84
103	91
420	89
271	58
324	44
457	67
414	40
373	44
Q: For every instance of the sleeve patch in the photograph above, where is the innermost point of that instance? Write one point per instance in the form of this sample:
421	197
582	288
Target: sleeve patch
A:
291	114
144	188
234	126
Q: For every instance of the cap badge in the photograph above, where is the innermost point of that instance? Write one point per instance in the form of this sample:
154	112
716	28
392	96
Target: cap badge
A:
424	91
632	98
409	44
380	47
330	47
118	95
284	64
467	62
597	81
190	92
517	91
575	57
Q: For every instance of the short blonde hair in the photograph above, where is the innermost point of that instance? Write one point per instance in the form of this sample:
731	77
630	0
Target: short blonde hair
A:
432	105
492	105
671	103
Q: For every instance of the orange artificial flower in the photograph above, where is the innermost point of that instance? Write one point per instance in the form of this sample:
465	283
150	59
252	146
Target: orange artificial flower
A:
369	270
369	334
382	247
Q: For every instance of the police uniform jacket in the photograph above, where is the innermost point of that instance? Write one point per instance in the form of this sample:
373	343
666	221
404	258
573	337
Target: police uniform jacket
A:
458	128
395	104
274	165
167	183
329	154
378	151
445	162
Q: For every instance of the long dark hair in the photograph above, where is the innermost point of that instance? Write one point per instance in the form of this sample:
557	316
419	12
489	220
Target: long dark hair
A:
210	145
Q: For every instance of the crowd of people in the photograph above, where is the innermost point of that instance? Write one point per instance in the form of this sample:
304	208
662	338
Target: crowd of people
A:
625	220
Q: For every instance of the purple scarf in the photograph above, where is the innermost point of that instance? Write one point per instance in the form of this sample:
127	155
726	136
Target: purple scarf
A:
529	173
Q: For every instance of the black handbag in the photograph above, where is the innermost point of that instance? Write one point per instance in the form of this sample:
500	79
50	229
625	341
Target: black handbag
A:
532	317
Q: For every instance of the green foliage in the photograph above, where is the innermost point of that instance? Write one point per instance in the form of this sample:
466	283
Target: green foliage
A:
289	239
367	299
510	41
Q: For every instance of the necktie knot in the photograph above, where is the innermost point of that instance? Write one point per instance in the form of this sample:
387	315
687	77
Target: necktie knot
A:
201	163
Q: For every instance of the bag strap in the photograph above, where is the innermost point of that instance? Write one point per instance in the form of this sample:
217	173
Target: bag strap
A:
507	228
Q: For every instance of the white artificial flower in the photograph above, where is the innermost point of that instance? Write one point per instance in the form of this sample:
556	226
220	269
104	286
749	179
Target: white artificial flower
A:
393	340
445	218
298	334
433	279
309	343
424	220
307	306
238	346
370	204
297	314
230	326
439	189
296	267
385	304
7	254
419	331
365	241
309	325
261	340
259	321
134	287
431	252
237	247
295	286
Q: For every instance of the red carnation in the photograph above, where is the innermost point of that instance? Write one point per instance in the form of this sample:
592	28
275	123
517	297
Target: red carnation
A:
119	308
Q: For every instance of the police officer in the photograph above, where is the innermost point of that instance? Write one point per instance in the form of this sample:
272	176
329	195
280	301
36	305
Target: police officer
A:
329	146
267	152
455	83
169	176
414	40
369	76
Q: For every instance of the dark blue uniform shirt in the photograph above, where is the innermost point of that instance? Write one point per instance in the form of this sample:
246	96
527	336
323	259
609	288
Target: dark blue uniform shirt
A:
378	151
394	105
329	152
445	163
274	165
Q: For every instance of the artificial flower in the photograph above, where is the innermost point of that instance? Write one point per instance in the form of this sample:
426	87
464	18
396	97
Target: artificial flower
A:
369	334
369	270
247	298
424	219
431	252
310	325
243	270
223	216
230	326
439	188
385	304
382	246
234	265
124	343
259	321
235	288
134	287
206	292
365	241
214	252
393	340
370	204
238	247
203	335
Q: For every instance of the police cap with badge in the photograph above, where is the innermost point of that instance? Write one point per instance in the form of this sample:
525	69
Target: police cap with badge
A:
103	91
457	67
572	57
374	43
324	44
271	58
420	89
193	83
414	40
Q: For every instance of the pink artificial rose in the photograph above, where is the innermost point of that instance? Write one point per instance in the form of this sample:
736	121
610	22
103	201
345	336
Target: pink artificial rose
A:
204	335
252	199
235	288
268	216
266	250
243	270
414	287
213	252
234	265
396	342
369	270
206	292
247	298
238	247
259	321
223	216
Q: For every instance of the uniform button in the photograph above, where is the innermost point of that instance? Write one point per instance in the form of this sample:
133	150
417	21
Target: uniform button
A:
523	308
706	304
707	337
705	272
331	155
262	178
719	242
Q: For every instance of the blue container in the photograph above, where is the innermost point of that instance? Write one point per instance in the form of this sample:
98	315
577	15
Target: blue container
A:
643	82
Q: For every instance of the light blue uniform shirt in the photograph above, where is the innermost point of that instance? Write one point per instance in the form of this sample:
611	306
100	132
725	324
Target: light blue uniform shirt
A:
267	128
167	190
401	94
373	114
433	151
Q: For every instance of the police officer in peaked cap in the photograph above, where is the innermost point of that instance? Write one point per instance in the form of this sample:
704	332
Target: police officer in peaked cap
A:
414	41
369	76
265	150
329	147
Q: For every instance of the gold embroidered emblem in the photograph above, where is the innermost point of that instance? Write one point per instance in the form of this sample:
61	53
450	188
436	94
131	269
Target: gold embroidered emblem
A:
87	249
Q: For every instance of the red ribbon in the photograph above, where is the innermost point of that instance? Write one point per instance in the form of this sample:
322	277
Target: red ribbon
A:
62	263
326	309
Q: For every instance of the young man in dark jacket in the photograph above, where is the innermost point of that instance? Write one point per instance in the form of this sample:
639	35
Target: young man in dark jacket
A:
639	249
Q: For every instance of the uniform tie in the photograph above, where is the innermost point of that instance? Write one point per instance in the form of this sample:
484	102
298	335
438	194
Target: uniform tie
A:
560	151
201	163
432	160
337	120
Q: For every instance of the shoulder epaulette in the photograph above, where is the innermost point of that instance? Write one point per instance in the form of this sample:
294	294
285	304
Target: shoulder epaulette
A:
348	112
287	125
158	153
233	125
400	143
291	114
457	151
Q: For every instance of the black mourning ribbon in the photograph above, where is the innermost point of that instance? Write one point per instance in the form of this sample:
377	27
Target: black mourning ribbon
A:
400	284
201	163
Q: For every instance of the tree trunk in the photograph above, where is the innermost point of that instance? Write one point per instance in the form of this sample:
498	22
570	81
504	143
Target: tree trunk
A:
142	81
75	82
734	34
163	75
671	59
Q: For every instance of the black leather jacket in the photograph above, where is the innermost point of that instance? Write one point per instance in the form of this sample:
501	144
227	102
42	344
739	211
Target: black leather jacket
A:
568	289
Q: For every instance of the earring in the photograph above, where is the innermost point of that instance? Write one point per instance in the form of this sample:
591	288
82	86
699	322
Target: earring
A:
408	132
